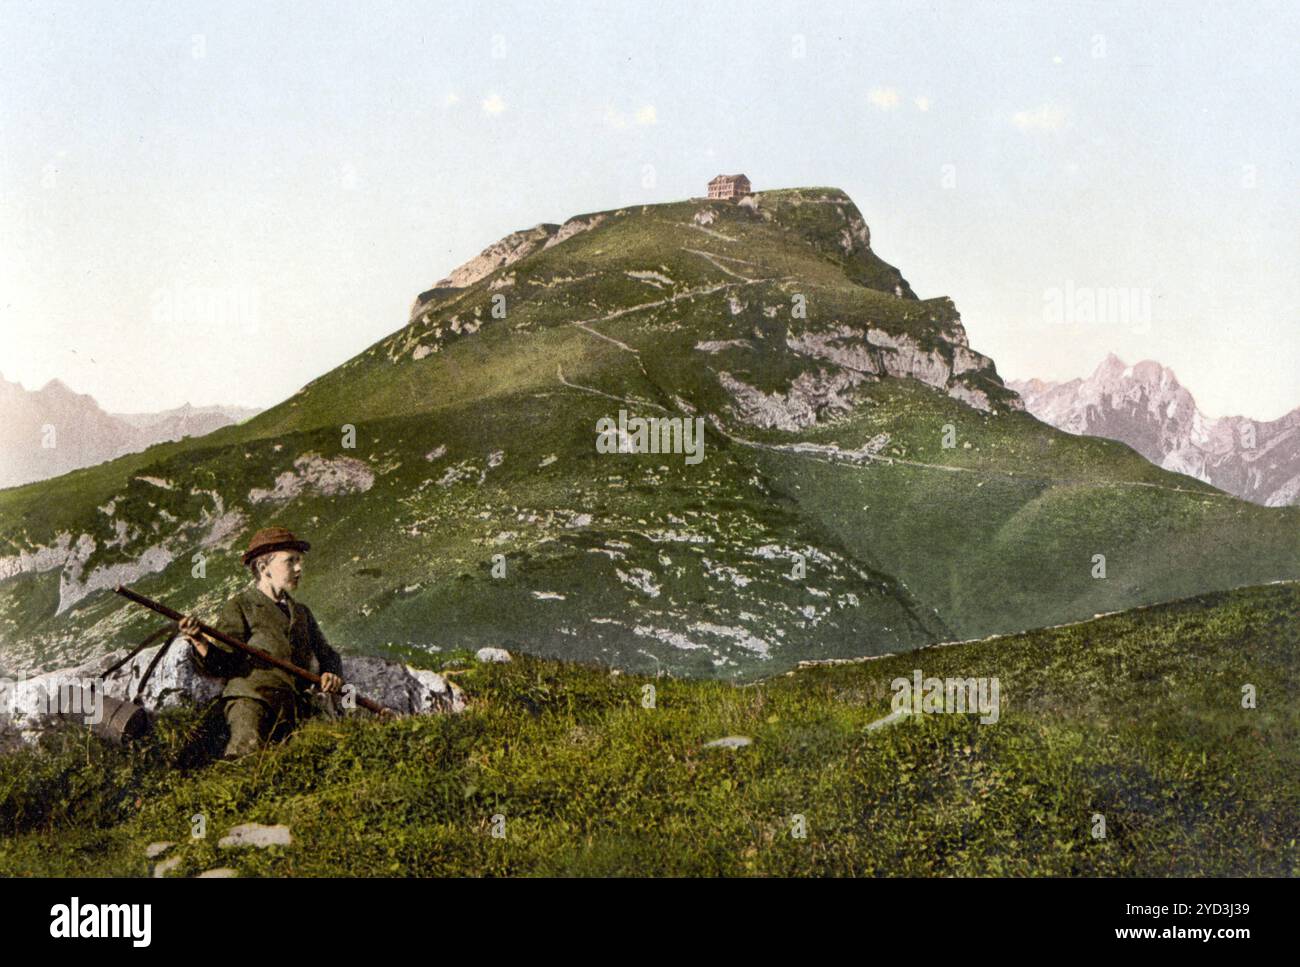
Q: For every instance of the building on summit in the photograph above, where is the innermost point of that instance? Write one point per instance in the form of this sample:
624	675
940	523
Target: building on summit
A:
729	186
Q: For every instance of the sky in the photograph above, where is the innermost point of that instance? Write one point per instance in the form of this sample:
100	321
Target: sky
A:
217	203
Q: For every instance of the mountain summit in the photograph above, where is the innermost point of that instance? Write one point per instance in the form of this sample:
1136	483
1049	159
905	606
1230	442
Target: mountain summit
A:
910	338
710	437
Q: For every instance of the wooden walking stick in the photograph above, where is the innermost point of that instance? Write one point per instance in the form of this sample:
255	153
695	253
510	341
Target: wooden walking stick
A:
256	652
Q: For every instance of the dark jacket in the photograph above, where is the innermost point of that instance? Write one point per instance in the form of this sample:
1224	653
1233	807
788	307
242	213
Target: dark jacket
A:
254	618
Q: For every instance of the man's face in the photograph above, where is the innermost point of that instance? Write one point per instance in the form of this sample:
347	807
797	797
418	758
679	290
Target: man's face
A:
282	571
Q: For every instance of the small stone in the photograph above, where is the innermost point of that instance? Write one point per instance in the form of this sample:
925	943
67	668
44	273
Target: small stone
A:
166	866
729	742
219	873
255	834
154	850
492	655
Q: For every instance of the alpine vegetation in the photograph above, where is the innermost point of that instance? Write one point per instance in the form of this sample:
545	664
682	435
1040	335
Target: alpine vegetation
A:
951	696
654	434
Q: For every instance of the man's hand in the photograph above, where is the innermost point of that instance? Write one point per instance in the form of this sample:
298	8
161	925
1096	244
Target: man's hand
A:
189	627
329	683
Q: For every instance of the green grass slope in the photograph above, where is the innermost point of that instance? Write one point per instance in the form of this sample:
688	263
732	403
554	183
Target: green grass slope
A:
1136	718
828	518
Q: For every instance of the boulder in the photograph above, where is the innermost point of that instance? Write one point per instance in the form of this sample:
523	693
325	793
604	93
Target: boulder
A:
26	703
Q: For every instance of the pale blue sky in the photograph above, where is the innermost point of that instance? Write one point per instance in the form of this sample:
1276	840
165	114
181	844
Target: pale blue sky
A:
324	163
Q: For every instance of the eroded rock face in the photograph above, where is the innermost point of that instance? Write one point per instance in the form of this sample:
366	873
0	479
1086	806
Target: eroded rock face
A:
73	587
572	227
313	473
213	526
855	354
843	345
972	396
717	345
812	396
903	357
508	250
38	559
177	681
499	254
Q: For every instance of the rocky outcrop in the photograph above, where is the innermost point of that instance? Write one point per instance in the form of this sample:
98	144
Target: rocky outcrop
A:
579	223
315	474
74	585
25	703
1146	407
811	398
512	248
503	253
499	254
843	345
206	524
857	353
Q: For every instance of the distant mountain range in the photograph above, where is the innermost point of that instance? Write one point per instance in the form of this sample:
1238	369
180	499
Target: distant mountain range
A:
53	430
1146	407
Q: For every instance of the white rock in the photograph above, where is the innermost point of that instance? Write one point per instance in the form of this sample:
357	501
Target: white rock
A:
729	742
166	866
315	474
812	396
256	834
177	681
492	655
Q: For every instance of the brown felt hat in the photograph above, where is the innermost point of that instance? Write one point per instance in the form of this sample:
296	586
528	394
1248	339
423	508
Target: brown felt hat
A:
270	539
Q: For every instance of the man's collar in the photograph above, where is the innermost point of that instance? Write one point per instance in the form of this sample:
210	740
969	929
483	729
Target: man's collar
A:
260	599
284	596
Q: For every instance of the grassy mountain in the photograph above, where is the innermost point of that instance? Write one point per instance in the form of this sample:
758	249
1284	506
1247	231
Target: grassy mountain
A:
1136	718
868	484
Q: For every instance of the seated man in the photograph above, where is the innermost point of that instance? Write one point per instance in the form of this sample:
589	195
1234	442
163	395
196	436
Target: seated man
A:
263	702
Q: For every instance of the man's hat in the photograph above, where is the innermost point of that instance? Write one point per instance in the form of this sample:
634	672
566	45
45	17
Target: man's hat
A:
270	539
